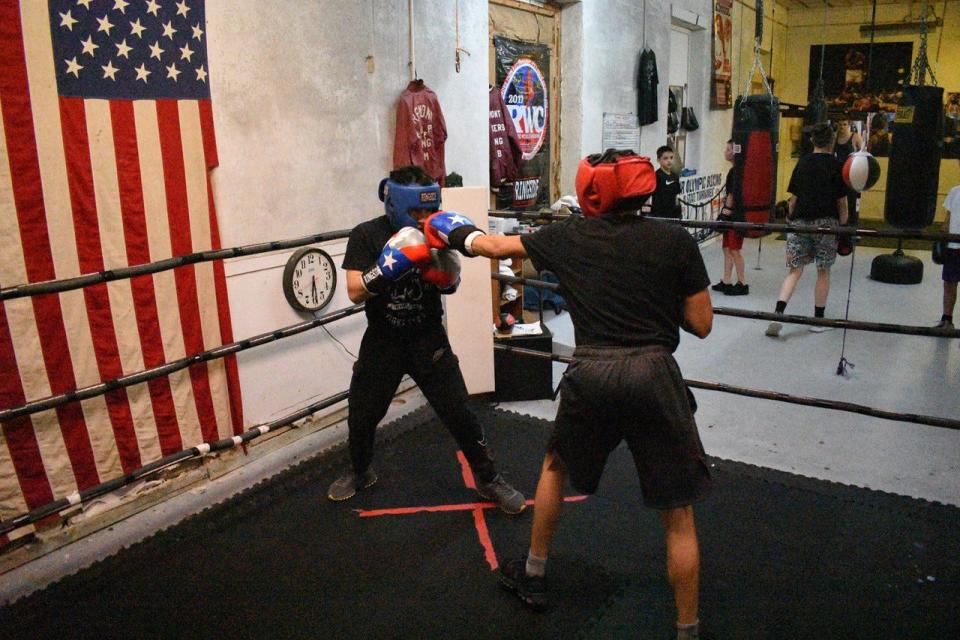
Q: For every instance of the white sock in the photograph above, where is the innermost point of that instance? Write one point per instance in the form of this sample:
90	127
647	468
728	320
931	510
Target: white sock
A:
536	566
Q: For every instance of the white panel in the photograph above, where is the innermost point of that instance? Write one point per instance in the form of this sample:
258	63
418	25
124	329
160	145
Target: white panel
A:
468	310
679	54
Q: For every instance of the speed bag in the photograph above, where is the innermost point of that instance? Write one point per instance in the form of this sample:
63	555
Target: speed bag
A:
756	125
913	171
860	171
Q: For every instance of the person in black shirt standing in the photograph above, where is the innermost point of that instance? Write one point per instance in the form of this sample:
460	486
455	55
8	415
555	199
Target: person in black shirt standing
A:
664	201
631	284
819	197
390	268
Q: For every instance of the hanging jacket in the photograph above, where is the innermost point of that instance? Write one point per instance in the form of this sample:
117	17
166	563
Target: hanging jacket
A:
421	131
647	82
505	152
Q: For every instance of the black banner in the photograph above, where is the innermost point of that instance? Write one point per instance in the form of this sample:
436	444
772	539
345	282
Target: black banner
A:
523	76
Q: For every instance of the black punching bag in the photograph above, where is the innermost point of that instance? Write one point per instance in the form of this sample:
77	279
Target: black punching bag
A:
756	125
913	171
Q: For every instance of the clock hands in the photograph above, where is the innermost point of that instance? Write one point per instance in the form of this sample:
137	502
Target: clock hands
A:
314	288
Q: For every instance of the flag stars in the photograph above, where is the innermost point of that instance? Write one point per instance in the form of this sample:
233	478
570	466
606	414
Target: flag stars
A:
105	24
173	72
121	6
168	30
67	20
153	7
201	74
137	29
74	67
197	31
182	8
84	3
155	50
109	71
185	52
123	49
142	72
89	47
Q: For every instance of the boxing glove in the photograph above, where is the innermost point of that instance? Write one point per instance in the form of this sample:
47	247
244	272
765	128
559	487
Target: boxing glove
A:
443	271
446	229
404	251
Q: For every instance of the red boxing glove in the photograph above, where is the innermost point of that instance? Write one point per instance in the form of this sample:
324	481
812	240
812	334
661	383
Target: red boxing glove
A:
443	271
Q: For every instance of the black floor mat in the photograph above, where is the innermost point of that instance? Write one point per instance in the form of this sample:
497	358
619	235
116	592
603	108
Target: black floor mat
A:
783	557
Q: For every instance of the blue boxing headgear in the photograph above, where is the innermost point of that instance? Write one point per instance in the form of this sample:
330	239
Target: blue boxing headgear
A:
398	199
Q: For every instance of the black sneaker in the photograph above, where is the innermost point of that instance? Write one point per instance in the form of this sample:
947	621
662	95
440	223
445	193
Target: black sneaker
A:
722	287
532	590
738	289
507	498
346	486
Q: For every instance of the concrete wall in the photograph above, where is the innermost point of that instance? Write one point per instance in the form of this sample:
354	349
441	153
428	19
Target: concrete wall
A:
305	132
600	45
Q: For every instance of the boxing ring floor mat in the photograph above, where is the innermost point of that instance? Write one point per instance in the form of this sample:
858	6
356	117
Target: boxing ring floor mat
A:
782	556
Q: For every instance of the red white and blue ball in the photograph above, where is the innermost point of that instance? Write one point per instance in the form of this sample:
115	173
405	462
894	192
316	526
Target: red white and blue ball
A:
861	171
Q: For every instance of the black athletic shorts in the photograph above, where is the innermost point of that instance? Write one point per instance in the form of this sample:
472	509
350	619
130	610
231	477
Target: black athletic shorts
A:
637	394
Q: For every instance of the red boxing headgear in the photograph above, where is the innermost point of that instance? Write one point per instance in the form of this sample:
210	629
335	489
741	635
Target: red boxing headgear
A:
606	182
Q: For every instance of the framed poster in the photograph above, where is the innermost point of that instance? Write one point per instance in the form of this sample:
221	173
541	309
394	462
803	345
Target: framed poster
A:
721	96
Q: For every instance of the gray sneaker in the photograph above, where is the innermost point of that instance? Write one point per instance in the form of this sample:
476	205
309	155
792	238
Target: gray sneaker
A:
774	329
507	498
346	486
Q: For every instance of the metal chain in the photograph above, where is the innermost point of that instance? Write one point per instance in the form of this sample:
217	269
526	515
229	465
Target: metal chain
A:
921	66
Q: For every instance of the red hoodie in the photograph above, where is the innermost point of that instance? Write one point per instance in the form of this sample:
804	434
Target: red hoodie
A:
421	131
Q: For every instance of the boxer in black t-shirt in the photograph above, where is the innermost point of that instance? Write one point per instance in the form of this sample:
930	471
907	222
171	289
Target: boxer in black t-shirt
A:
630	284
390	268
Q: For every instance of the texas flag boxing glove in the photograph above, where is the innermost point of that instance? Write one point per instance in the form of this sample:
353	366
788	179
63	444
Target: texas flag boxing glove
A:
443	271
446	229
404	251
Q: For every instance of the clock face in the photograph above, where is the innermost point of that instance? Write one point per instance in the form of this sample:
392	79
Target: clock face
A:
309	279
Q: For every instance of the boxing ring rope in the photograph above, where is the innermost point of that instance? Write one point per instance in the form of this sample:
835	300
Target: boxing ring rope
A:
92	391
718	225
68	284
192	453
779	317
198	451
836	405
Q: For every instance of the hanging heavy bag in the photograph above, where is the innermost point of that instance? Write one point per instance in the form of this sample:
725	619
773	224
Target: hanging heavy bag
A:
756	126
688	119
913	169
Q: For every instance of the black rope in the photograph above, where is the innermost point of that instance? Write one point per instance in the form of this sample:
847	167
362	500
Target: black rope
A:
844	364
826	230
173	459
836	405
878	327
51	402
68	284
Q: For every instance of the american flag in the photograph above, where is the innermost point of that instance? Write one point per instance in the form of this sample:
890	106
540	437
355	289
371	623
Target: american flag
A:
106	142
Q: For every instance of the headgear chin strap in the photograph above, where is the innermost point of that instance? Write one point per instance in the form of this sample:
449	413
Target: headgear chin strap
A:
398	199
612	180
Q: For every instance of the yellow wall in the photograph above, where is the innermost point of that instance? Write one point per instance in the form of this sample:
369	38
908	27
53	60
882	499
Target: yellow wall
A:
805	28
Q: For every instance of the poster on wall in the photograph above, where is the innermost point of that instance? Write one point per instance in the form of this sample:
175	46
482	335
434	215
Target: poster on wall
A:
523	75
847	85
720	92
845	70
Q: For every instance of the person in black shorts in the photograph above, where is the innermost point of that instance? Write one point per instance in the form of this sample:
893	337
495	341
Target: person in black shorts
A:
390	267
819	198
630	283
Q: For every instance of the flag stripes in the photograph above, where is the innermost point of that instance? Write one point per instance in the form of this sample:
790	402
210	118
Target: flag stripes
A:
88	184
